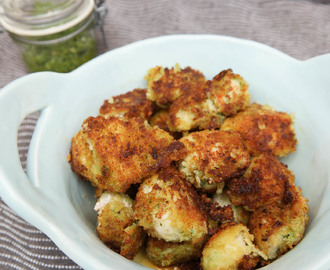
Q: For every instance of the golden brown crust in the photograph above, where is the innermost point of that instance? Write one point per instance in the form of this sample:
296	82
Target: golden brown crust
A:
229	92
81	157
133	240
264	130
264	182
115	224
221	213
123	152
111	225
207	107
168	208
187	112
213	156
128	105
230	248
166	85
164	253
279	227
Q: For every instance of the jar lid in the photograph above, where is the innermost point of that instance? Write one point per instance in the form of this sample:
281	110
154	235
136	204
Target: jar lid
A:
43	17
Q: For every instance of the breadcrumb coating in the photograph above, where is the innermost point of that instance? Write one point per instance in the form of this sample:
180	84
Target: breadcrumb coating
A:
115	153
213	157
277	228
168	208
264	130
229	92
231	248
265	182
206	108
166	85
128	105
115	224
164	253
193	111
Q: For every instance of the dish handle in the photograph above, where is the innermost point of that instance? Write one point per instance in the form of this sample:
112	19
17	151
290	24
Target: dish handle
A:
17	100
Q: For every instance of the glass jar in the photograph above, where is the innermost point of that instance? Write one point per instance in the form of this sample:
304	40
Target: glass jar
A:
56	35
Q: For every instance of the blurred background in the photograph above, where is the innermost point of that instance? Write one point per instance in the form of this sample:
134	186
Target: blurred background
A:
299	28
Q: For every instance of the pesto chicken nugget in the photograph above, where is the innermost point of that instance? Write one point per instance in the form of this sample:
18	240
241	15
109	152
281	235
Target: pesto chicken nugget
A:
164	253
231	248
208	107
264	130
129	105
213	157
115	224
229	92
266	181
115	153
168	208
165	85
278	228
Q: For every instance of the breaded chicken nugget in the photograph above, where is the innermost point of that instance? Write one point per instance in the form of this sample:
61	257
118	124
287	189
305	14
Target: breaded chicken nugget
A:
231	248
164	253
165	85
128	105
278	228
264	130
114	153
116	226
168	208
207	107
265	182
213	157
229	92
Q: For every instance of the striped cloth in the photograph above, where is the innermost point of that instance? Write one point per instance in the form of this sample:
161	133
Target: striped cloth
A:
299	28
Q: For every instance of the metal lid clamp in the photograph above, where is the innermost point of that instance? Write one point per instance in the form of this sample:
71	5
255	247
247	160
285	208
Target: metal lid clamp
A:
100	12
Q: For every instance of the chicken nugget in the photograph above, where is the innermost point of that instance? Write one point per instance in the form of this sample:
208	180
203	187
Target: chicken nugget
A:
266	181
115	153
277	228
229	92
231	248
165	85
213	157
164	253
115	224
128	105
208	107
264	130
168	208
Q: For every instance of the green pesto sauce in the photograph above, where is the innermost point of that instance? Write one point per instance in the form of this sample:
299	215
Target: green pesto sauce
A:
61	57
